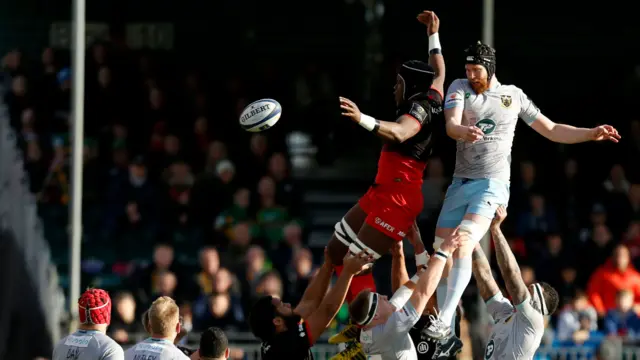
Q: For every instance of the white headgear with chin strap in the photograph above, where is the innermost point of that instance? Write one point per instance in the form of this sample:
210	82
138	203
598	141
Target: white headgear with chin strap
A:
371	313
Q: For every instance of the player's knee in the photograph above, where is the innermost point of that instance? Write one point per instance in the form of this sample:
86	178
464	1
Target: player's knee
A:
463	251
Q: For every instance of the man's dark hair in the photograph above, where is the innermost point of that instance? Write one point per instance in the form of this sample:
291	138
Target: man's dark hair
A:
359	307
213	343
551	297
261	318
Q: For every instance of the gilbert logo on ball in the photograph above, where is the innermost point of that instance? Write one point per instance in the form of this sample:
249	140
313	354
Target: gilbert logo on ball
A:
260	115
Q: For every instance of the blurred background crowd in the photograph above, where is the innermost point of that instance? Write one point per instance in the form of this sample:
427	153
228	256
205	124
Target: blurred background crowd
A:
179	201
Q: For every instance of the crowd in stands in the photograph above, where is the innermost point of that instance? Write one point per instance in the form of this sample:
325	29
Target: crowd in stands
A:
178	201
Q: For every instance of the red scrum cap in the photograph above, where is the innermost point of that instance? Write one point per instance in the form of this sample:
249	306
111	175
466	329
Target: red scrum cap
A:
94	307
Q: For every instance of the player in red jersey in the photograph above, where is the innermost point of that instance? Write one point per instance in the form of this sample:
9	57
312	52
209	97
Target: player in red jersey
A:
386	213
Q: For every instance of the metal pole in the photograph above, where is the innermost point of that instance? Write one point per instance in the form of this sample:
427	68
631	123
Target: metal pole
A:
478	328
488	14
77	111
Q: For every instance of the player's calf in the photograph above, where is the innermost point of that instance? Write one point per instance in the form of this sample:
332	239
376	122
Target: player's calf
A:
474	227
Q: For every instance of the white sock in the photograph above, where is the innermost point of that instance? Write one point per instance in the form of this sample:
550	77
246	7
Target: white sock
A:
459	278
441	292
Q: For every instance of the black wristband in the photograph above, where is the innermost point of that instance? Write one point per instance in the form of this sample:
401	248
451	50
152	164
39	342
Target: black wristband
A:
441	255
435	51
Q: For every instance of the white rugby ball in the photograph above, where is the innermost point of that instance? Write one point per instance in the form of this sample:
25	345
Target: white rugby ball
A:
260	115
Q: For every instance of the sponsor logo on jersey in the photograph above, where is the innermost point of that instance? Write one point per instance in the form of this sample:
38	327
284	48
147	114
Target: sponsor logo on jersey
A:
486	125
423	347
506	100
467	95
418	112
156	348
301	330
78	341
384	225
402	233
488	352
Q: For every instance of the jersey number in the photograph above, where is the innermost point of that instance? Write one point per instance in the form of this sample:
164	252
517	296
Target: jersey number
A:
489	350
73	353
144	357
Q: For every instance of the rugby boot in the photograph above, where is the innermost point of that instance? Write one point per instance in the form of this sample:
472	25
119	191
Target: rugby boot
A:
353	351
437	329
448	348
350	332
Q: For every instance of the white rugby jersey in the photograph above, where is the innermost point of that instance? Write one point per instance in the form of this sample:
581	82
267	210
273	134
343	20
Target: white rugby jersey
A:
517	332
87	345
154	349
495	112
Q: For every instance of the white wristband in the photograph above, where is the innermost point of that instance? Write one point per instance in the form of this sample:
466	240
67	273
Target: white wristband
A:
367	122
434	41
422	259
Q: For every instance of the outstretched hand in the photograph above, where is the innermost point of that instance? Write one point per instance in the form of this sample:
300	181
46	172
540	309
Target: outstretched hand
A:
354	264
501	214
350	109
605	132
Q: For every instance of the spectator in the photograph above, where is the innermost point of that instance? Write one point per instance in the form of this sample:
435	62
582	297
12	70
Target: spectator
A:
615	275
209	266
123	321
623	320
585	335
569	319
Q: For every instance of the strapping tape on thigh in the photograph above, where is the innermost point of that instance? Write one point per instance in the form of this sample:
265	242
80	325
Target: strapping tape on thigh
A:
475	230
344	233
358	246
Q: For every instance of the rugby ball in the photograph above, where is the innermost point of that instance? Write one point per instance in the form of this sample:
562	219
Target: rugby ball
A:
260	115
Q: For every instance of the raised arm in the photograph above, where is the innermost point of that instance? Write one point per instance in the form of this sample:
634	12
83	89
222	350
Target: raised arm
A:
436	60
430	278
507	263
562	133
482	272
404	128
318	321
317	289
399	274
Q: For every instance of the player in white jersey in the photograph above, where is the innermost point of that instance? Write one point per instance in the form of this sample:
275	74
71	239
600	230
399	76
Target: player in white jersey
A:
90	342
481	115
517	331
164	325
386	323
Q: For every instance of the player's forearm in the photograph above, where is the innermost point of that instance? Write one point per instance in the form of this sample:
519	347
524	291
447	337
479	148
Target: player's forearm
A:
567	134
428	282
335	297
399	275
482	272
318	287
453	121
509	267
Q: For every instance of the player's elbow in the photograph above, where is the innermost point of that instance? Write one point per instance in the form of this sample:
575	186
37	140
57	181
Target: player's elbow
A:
400	134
